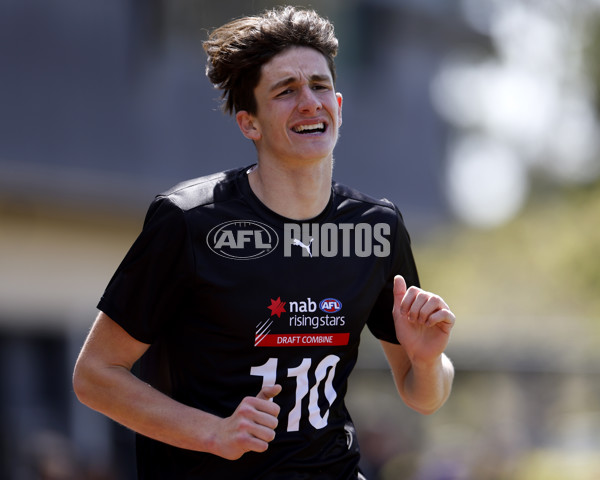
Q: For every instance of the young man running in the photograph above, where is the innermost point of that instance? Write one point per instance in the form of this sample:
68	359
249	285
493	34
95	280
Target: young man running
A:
246	293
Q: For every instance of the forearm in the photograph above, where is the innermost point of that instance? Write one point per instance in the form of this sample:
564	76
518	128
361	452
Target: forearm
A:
425	387
103	381
117	393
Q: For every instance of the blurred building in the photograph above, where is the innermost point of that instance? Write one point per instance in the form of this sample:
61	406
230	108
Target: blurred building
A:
105	104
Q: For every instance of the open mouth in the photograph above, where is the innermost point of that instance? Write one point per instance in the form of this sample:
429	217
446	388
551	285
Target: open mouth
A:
314	128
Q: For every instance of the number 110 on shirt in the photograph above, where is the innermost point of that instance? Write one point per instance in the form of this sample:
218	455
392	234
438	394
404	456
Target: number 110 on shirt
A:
326	367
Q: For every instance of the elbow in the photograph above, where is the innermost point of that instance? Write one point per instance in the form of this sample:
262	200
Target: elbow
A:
82	384
428	402
429	410
79	387
431	402
425	409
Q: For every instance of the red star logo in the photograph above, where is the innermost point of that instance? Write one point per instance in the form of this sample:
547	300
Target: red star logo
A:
276	307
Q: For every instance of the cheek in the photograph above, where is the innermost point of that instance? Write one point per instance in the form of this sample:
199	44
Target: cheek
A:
274	122
277	129
275	133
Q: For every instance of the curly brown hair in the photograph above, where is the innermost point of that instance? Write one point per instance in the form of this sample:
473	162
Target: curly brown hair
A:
238	50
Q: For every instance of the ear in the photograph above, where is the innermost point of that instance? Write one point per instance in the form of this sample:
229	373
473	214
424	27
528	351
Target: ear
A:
339	98
248	125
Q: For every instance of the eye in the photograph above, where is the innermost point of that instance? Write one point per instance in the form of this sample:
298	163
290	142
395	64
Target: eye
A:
287	91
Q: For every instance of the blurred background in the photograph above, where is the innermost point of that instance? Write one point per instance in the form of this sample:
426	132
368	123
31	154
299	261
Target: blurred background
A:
479	118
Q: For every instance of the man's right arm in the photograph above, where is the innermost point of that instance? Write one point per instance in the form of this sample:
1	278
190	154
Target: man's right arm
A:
103	381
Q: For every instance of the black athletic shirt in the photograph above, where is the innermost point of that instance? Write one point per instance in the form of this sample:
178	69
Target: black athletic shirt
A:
232	296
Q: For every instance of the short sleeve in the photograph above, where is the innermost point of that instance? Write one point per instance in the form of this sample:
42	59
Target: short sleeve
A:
381	322
144	292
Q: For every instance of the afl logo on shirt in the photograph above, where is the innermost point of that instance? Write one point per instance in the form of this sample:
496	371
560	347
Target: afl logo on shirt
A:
330	305
242	239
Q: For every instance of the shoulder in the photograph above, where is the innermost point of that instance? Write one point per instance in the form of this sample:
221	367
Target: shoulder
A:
202	191
350	197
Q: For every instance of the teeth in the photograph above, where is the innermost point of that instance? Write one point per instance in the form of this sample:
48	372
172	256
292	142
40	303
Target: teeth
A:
305	128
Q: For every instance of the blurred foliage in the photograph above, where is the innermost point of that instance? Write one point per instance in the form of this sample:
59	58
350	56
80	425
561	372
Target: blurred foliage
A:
549	465
546	262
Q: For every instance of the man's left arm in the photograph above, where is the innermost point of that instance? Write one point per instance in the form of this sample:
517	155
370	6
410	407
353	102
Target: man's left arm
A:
422	372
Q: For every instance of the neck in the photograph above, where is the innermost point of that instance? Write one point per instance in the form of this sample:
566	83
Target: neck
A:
298	193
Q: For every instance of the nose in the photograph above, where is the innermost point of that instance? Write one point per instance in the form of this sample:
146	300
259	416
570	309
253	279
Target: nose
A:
309	102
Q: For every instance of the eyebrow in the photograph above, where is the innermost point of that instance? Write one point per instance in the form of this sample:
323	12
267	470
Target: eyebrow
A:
290	80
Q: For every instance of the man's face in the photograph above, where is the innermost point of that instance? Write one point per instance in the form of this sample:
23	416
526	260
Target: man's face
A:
298	111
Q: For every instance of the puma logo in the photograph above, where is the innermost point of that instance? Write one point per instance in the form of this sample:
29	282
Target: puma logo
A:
298	243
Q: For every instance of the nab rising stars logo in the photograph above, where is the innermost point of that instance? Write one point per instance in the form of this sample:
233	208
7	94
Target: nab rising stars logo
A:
302	316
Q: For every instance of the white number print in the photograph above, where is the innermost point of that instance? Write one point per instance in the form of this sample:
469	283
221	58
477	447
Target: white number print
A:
268	372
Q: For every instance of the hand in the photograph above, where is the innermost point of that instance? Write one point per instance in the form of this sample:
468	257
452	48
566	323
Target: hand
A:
251	427
423	321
